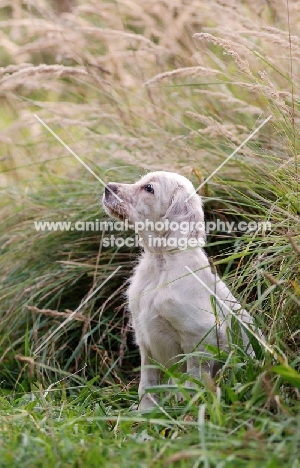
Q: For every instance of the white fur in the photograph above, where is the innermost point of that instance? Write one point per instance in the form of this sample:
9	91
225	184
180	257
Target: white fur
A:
171	311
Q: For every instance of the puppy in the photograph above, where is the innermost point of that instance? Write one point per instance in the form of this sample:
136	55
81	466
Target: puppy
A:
178	305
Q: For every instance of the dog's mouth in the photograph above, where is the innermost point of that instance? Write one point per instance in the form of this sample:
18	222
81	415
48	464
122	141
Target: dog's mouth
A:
113	211
117	215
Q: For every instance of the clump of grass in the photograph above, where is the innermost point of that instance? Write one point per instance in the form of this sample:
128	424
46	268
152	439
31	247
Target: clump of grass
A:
48	275
139	93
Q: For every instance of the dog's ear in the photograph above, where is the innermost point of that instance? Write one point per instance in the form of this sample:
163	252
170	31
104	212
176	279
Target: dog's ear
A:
184	209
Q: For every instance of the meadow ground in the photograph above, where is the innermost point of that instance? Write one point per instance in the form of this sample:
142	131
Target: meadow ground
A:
132	86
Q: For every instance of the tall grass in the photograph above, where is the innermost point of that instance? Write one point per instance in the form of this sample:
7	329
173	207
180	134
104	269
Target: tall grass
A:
132	87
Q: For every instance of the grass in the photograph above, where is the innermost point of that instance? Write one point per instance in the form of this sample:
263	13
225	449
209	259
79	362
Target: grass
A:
139	93
54	430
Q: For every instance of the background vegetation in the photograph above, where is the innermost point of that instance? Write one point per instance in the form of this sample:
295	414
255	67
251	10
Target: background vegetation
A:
133	86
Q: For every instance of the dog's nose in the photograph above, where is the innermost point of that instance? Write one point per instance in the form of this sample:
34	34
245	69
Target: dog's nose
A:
111	187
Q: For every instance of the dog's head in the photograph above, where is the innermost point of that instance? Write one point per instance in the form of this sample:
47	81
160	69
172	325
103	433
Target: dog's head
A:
158	197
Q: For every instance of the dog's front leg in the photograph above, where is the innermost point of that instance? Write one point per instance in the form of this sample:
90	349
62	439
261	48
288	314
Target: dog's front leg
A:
149	378
197	368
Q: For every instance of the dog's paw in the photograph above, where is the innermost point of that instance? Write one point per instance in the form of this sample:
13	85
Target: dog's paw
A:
147	403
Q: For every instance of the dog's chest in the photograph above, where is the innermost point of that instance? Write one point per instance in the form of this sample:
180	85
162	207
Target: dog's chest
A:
145	291
150	303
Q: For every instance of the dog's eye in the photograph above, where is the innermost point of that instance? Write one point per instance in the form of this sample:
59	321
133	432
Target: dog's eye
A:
149	188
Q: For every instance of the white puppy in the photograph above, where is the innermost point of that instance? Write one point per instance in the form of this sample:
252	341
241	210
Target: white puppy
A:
173	313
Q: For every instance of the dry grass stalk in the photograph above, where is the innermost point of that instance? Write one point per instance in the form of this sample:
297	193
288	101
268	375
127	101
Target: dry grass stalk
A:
280	32
27	360
186	71
227	46
14	68
275	38
296	248
17	78
56	314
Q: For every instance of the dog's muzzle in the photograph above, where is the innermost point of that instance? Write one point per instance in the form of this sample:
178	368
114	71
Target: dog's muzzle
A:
110	189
